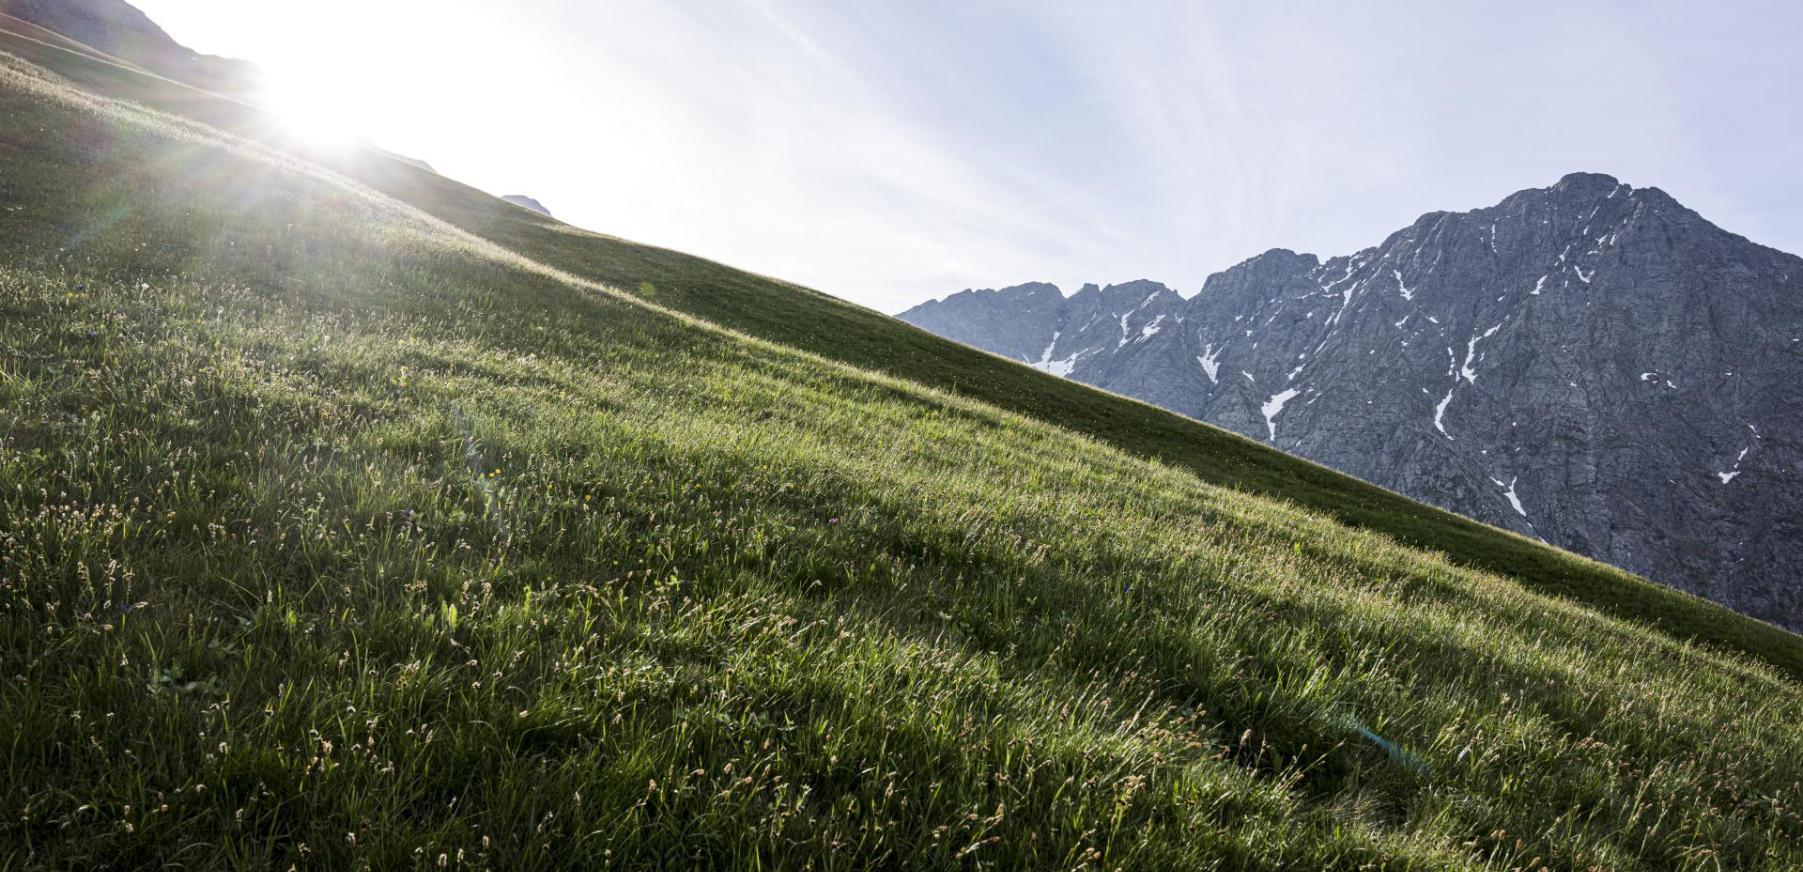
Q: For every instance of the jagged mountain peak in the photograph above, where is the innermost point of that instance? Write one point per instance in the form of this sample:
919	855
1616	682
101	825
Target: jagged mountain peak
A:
1029	290
1589	184
1012	293
1133	292
1275	262
1138	287
1589	363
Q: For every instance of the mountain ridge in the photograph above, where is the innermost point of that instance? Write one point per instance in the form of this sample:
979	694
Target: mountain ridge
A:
121	30
1614	287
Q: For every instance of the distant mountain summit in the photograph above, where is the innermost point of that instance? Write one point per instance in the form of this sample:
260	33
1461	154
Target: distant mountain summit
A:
121	30
1591	364
526	202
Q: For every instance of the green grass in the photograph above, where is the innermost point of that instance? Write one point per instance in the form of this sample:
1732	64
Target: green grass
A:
807	320
803	319
342	534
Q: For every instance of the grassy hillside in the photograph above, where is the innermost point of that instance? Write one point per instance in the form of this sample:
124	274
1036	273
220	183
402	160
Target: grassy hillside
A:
333	534
822	325
123	33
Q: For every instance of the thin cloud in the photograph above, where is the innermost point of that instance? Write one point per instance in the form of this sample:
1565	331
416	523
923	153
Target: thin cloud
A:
892	152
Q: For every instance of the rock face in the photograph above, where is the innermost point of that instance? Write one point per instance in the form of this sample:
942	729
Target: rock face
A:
1591	364
121	30
526	202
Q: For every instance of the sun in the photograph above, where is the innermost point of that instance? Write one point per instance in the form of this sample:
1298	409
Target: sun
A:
318	110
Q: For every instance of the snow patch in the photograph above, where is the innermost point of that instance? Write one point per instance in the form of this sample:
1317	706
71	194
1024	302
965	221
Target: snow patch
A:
1274	406
1440	411
1211	362
1537	287
1405	290
1060	368
1509	491
1465	370
1131	312
1345	294
1735	469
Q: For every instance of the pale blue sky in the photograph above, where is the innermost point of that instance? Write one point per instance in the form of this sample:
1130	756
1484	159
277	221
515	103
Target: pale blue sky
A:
888	152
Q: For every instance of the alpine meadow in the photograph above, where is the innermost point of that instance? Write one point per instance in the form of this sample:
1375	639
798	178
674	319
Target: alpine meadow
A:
351	518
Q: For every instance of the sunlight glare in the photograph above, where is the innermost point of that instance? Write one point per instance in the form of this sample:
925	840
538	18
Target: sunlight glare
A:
319	110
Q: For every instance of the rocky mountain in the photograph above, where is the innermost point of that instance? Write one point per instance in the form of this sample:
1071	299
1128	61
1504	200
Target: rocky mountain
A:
121	30
1591	364
525	202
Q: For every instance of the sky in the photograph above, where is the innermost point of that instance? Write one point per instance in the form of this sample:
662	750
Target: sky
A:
889	153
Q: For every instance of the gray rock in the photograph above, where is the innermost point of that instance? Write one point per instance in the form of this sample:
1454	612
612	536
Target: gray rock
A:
526	202
1590	364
